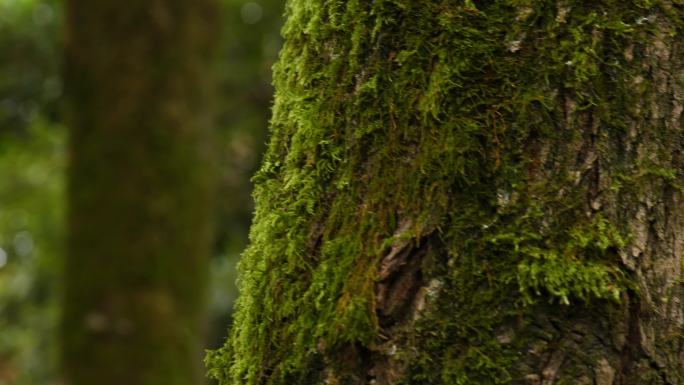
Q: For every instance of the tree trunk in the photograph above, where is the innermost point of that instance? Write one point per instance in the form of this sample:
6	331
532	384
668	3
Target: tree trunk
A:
469	192
140	189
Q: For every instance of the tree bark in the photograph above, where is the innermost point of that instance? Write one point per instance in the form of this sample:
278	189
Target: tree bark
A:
140	190
469	192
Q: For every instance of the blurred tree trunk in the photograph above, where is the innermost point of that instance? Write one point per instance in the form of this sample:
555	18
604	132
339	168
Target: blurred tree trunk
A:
469	192
137	78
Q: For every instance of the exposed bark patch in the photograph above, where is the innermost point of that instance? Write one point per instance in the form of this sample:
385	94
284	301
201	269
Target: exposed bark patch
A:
605	374
398	283
400	296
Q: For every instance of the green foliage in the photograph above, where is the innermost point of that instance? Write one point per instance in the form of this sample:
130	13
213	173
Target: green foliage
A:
31	169
247	51
29	70
31	166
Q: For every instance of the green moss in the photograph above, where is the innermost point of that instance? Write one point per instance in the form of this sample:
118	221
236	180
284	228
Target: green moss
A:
432	114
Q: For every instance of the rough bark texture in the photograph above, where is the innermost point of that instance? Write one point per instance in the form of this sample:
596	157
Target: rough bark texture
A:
469	192
140	191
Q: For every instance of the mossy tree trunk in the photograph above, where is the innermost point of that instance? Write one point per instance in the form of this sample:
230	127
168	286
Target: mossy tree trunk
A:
140	190
469	192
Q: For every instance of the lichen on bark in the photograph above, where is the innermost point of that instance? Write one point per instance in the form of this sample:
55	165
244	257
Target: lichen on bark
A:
468	192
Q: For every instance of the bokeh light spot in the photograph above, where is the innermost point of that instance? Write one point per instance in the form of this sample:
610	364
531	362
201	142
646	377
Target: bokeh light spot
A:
23	243
251	12
3	258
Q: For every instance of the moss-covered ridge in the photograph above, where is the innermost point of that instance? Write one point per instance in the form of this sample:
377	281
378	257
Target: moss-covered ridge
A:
440	119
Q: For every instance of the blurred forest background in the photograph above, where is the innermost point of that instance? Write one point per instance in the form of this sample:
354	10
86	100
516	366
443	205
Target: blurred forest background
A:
32	170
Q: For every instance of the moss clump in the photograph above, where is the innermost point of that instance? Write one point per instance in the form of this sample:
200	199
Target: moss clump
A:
457	120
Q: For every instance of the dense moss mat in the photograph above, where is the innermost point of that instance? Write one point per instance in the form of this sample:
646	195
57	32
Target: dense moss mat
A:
458	124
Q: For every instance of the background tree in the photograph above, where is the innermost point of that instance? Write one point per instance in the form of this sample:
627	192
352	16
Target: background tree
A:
31	189
140	189
461	192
